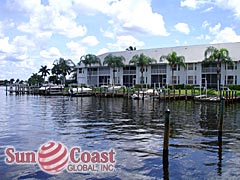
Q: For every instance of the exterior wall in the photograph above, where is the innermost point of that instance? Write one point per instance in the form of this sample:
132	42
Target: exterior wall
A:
193	55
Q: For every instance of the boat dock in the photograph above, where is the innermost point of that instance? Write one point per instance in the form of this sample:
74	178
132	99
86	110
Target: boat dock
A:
21	89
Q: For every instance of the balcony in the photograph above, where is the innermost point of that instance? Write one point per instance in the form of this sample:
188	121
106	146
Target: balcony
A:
129	71
158	71
212	70
107	72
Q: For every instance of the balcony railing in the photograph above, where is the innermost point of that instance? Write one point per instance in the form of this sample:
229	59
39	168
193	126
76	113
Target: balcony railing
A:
209	70
158	71
92	73
104	72
129	71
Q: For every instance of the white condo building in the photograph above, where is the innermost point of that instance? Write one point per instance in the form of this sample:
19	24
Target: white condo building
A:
160	73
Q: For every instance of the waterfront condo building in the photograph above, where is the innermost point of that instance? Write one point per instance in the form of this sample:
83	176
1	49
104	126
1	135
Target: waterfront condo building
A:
160	74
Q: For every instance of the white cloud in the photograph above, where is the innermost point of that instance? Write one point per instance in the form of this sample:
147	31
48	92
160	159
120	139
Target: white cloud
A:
76	50
107	34
203	37
5	47
194	4
126	15
57	17
122	42
215	30
205	24
102	51
189	3
182	27
1	29
4	25
208	9
137	16
15	50
226	35
232	5
51	53
90	41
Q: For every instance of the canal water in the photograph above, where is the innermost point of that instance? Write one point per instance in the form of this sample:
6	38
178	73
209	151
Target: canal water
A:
133	128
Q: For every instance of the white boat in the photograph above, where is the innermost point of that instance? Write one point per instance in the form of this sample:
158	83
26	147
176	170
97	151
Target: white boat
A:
115	88
51	89
79	90
140	96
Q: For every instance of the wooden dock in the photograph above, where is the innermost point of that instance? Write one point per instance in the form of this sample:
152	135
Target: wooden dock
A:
21	89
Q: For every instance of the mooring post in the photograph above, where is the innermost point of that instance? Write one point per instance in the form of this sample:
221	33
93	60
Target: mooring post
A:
220	129
138	93
165	145
185	94
179	93
166	132
220	125
143	94
6	89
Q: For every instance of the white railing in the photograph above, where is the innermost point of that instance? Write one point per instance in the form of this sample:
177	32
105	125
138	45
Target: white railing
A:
209	69
129	71
104	72
158	71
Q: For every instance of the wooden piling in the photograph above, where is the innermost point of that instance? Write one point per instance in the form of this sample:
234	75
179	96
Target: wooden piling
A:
179	94
166	133
220	125
185	94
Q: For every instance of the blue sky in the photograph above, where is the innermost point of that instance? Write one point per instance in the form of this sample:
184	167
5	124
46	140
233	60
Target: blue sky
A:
36	32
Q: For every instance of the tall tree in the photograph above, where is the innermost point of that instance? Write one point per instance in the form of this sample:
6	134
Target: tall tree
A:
35	79
173	60
11	81
63	67
114	62
141	61
44	71
131	48
88	60
214	55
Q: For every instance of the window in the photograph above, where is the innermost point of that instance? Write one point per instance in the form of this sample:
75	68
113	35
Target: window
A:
236	80
230	66
174	79
176	68
230	80
80	70
190	66
146	80
195	80
190	80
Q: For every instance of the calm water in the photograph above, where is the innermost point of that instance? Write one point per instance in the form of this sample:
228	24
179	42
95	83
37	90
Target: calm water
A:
133	128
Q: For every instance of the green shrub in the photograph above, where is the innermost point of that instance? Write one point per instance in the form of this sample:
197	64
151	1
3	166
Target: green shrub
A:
141	86
234	87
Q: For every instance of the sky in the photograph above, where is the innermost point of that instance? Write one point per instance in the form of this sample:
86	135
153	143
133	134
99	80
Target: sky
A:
36	32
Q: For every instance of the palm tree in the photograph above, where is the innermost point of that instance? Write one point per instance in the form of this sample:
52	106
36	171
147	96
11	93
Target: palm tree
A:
63	67
35	79
11	81
173	60
131	48
114	62
88	60
44	71
142	61
214	55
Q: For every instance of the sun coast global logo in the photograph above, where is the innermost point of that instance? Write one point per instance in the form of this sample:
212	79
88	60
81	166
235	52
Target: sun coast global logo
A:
53	157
